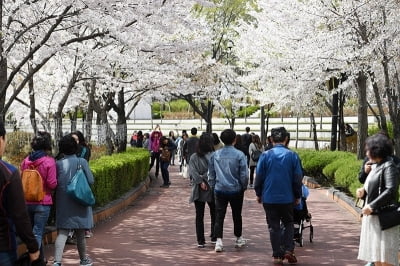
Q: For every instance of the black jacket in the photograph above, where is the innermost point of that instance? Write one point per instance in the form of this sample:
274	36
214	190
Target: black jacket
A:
383	185
13	211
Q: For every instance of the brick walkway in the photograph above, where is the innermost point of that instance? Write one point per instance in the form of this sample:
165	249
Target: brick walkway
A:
158	229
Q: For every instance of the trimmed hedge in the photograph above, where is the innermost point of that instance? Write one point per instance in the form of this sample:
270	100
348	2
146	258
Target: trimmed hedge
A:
339	168
116	174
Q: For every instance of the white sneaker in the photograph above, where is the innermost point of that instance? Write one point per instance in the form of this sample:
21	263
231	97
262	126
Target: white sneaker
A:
240	242
219	246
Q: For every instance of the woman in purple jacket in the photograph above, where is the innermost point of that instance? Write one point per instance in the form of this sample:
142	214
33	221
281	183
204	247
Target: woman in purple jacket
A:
40	160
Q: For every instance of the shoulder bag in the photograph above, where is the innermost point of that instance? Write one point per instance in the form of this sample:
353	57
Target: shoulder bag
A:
389	216
78	188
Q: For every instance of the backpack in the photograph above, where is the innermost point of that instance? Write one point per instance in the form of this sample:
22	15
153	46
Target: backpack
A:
255	155
32	183
165	155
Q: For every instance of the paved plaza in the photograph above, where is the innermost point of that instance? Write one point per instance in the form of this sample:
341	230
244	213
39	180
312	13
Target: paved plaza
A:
159	229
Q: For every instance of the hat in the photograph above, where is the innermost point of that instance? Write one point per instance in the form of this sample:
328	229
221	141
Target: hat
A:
279	133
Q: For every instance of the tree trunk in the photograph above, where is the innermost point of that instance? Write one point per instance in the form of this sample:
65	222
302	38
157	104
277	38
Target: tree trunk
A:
57	129
121	138
89	113
314	130
3	66
335	107
104	130
205	110
208	116
382	117
394	110
262	125
342	134
3	80
73	118
32	111
361	83
58	115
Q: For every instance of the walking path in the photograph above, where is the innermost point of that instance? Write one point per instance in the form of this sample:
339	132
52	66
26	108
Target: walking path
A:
159	229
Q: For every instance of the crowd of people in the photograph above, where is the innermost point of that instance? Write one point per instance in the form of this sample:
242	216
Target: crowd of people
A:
222	168
27	218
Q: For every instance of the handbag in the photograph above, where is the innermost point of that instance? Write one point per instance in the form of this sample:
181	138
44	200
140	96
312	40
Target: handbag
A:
360	203
185	172
78	188
389	216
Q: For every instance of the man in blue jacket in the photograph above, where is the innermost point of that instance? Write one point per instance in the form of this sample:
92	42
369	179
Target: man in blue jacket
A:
228	176
278	186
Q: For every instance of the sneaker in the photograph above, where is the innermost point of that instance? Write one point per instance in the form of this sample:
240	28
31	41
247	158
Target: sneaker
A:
291	258
213	240
240	242
277	261
88	233
86	262
219	246
164	186
201	245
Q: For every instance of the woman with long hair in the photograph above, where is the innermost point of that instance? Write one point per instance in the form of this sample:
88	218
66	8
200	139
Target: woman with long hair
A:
201	191
255	146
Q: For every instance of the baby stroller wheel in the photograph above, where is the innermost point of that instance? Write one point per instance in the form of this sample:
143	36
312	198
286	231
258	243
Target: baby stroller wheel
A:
311	233
301	228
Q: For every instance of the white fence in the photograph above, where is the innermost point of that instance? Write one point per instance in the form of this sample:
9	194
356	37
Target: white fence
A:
300	129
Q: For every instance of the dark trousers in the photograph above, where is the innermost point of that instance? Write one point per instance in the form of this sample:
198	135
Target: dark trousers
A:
280	241
200	206
221	203
164	172
252	170
155	157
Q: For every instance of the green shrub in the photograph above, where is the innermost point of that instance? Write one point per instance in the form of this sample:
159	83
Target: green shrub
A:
247	111
324	165
375	129
315	161
118	173
18	146
347	176
179	106
330	169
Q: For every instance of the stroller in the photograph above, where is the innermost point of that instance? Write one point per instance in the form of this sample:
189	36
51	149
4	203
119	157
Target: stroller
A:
302	219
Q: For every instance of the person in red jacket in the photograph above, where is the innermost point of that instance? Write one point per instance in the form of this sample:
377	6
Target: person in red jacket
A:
14	218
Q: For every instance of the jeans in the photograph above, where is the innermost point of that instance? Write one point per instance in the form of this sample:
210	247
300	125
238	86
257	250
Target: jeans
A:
155	157
164	172
39	214
200	206
280	241
221	203
173	152
8	258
